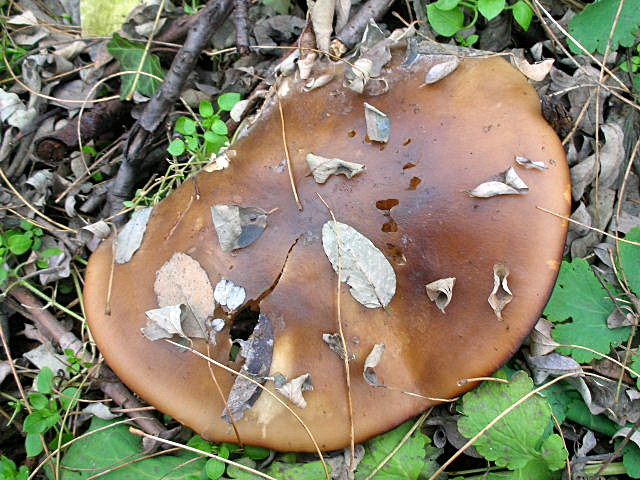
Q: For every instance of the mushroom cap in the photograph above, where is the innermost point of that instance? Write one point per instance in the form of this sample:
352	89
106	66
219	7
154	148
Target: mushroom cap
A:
411	202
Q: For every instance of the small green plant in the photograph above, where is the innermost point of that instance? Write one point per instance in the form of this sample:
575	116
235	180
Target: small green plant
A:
447	17
9	471
19	241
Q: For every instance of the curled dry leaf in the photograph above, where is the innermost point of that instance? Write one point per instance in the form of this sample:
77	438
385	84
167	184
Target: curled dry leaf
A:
500	295
378	124
292	390
229	295
621	317
441	292
237	226
530	164
505	183
335	344
100	410
317	82
130	237
182	281
322	17
361	74
536	71
441	66
166	322
540	340
363	267
372	361
322	168
258	353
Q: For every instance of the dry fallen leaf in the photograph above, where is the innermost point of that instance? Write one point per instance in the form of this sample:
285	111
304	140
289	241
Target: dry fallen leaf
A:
322	168
292	390
540	340
130	237
378	124
229	295
530	164
505	183
442	66
166	322
335	344
372	361
500	295
441	292
536	71
237	226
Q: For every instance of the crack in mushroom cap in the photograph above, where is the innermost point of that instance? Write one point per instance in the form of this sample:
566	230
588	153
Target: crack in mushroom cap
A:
453	135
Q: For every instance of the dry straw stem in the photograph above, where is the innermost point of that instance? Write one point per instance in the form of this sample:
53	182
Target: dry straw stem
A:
286	152
564	443
138	460
259	385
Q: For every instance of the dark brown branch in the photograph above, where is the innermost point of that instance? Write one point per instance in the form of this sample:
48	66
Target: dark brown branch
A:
241	22
352	32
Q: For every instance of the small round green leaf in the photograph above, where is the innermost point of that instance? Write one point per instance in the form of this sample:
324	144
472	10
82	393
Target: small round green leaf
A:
69	397
199	443
176	147
226	101
19	244
523	14
214	469
256	453
44	380
38	401
219	127
491	8
35	423
193	143
447	4
206	109
186	126
445	23
33	445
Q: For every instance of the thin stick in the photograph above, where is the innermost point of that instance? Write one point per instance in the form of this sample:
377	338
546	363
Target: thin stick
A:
589	227
564	443
344	342
464	381
286	152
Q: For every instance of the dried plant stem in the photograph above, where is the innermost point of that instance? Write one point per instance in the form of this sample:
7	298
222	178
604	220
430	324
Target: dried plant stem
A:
286	152
564	443
464	381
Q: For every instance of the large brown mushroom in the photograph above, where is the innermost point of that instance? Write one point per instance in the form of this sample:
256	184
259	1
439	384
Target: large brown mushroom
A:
413	201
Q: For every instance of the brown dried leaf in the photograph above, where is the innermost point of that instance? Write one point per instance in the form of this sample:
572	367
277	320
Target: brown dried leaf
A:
530	164
292	390
441	292
536	71
441	67
322	17
372	361
237	226
500	295
505	183
335	344
322	168
378	124
620	318
540	340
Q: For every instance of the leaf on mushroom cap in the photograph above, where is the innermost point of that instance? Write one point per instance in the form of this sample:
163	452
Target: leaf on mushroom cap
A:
441	292
322	168
237	226
130	237
500	295
441	66
292	389
372	361
229	295
378	124
505	183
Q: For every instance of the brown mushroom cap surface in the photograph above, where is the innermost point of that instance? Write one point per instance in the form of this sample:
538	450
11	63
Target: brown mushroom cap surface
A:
411	202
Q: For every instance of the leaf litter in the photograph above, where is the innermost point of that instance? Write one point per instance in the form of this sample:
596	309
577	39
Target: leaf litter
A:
441	291
130	237
236	226
378	124
322	168
500	295
505	183
371	362
293	389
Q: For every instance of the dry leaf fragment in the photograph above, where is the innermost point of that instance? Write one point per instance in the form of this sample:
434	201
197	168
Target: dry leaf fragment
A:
322	168
505	183
363	267
130	237
317	82
166	322
335	344
536	71
258	353
322	17
237	226
500	295
540	340
292	390
443	65
100	410
441	292
530	164
621	317
361	74
372	361
229	295
378	124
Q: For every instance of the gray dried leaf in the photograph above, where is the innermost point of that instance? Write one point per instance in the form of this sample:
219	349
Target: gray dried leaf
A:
45	356
553	364
5	370
335	344
340	464
100	410
229	295
258	353
166	322
237	226
611	154
500	295
237	112
361	73
530	164
621	317
59	267
363	267
536	71
130	237
100	229
322	168
540	340
292	390
441	66
378	124
626	433
182	281
582	174
317	82
441	292
372	361
322	18
505	183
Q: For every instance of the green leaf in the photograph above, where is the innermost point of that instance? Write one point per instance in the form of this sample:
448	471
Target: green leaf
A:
193	143
579	296
176	148
69	397
226	101
491	8
26	225
523	14
186	126
200	443
446	23
129	55
44	380
36	423
214	468
38	401
114	446
447	4
8	470
33	445
415	458
49	252
553	452
515	440
280	6
296	471
219	127
19	244
593	25
630	260
206	109
631	459
256	453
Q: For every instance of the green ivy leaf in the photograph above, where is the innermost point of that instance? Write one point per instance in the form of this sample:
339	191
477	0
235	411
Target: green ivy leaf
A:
517	439
523	14
129	55
206	109
593	25
19	244
445	22
630	260
415	459
491	8
579	296
44	380
226	101
631	458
